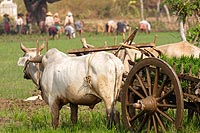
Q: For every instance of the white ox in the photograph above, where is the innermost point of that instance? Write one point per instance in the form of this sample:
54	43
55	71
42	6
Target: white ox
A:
83	80
179	49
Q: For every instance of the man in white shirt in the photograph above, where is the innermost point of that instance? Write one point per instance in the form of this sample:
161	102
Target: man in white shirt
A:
49	21
19	24
69	20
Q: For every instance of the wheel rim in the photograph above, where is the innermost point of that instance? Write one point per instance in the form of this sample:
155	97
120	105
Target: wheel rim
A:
152	97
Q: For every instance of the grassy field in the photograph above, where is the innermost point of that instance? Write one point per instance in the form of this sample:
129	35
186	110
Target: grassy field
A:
19	116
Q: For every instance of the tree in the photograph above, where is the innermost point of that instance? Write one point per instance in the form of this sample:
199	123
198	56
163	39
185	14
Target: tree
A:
38	10
183	9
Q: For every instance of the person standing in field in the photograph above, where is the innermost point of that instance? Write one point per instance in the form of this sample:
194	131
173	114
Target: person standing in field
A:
49	21
69	23
50	25
19	24
69	20
57	22
28	23
6	23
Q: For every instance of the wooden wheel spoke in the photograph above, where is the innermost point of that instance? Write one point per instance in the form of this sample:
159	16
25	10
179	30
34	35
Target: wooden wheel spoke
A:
162	85
144	120
165	95
142	84
137	116
155	87
166	105
160	122
136	92
149	125
165	115
148	80
155	124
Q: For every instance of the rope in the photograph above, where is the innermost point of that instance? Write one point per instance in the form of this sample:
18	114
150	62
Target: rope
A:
89	81
38	71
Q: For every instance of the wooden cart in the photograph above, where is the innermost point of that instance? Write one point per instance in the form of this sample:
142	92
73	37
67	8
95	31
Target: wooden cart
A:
152	96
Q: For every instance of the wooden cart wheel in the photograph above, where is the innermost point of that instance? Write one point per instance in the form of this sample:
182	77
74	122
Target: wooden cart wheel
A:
152	97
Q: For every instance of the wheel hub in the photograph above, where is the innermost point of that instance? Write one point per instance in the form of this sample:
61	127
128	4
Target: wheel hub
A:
147	104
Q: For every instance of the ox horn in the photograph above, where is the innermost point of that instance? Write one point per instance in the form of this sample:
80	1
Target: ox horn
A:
37	59
41	47
23	48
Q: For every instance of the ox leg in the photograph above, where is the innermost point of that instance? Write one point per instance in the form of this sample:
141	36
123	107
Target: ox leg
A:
74	113
113	117
116	118
109	118
55	114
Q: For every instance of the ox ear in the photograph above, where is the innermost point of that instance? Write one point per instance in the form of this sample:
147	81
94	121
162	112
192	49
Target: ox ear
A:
41	47
23	48
37	59
22	61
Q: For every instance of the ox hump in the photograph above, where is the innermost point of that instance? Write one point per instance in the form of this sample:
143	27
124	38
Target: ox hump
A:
53	55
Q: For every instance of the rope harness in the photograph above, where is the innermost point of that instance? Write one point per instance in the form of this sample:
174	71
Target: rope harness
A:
28	76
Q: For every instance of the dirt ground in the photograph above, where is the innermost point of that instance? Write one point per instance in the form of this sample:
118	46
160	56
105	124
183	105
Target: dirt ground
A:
10	104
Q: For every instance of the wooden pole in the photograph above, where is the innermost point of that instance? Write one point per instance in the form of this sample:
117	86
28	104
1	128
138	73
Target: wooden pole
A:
47	46
115	40
37	48
37	65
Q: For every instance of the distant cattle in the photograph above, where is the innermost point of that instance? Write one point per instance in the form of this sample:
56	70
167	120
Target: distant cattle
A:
179	49
83	80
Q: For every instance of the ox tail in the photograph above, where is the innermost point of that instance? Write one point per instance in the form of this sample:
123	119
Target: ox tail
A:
117	80
115	116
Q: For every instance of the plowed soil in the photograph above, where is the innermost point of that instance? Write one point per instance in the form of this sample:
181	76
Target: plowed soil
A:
11	104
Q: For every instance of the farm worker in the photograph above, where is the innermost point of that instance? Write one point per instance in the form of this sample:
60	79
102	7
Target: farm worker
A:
69	20
79	26
145	26
19	23
70	31
6	23
56	21
49	22
53	32
110	26
122	27
29	22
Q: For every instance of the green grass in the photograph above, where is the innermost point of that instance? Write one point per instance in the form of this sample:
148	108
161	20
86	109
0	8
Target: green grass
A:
14	87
